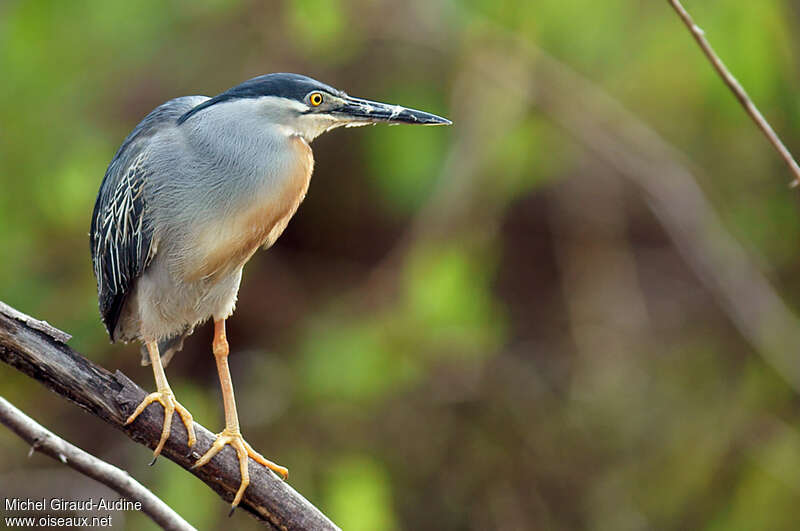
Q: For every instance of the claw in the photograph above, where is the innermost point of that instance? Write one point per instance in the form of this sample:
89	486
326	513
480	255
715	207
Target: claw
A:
170	405
243	451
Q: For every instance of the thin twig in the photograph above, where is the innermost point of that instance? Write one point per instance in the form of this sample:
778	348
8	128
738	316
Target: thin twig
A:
638	153
736	88
112	397
45	441
720	262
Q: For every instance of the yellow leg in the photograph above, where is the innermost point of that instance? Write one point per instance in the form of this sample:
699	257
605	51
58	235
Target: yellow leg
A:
231	434
166	398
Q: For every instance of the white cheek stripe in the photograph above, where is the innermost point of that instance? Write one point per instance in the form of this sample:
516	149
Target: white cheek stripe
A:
284	103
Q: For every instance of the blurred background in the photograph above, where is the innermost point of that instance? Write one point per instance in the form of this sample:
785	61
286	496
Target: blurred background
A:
576	308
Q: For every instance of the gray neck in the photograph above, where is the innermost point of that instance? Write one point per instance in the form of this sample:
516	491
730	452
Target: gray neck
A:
241	151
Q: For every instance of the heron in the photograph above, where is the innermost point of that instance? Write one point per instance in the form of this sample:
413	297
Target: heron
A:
196	188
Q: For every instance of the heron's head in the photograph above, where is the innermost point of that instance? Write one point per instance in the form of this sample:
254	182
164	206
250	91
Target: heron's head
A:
308	108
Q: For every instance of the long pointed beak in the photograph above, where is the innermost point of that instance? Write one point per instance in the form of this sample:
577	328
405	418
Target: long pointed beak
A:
358	111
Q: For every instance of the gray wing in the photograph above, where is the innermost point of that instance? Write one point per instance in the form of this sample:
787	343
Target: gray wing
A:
121	236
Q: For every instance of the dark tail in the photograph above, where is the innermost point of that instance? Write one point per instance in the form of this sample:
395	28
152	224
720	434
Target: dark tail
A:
167	348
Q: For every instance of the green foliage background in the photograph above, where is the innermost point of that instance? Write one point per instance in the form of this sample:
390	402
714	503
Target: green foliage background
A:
435	343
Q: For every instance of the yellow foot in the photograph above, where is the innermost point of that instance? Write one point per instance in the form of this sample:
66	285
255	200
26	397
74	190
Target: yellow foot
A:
166	399
243	450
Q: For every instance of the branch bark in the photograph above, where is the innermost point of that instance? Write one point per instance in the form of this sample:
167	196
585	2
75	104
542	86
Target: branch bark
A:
43	440
737	89
40	351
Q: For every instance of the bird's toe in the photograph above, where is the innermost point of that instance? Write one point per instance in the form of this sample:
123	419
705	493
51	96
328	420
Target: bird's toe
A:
167	400
243	451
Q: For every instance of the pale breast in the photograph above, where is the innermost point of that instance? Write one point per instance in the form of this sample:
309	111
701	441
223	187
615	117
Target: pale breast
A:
259	223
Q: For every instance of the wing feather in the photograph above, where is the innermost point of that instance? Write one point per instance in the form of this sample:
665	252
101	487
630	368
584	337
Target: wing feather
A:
121	235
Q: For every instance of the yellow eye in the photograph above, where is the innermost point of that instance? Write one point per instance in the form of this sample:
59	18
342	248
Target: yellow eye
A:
315	99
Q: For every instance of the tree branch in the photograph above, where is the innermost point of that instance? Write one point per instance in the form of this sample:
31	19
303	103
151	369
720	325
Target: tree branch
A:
40	352
736	88
45	441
